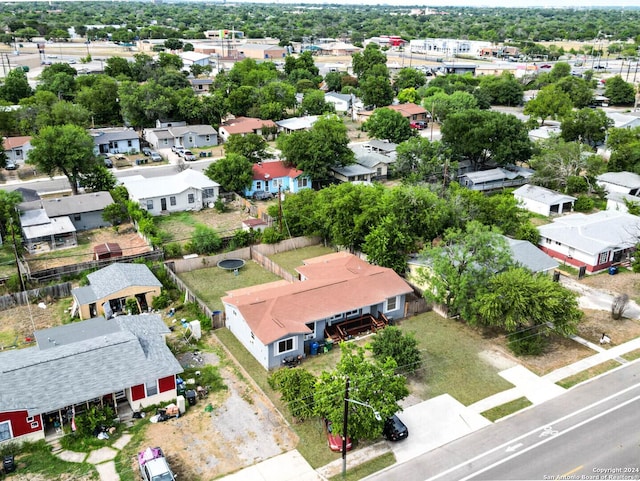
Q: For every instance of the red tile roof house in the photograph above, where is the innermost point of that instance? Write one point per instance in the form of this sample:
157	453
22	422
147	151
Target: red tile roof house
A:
243	126
123	362
410	111
271	176
279	319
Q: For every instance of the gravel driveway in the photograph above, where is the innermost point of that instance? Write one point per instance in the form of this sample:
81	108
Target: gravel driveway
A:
242	429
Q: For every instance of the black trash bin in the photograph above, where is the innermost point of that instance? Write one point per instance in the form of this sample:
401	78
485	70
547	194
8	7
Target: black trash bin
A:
191	397
8	464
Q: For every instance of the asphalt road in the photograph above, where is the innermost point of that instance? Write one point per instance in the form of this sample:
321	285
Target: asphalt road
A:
591	427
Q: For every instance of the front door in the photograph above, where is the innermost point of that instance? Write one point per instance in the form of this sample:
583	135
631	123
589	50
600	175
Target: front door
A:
163	204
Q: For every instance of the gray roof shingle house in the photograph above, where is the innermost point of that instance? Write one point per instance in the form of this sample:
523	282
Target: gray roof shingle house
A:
543	201
188	136
84	210
115	140
83	361
112	285
623	182
531	257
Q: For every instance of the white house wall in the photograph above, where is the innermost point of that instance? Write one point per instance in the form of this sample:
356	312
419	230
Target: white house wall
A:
182	202
237	325
566	251
167	396
534	206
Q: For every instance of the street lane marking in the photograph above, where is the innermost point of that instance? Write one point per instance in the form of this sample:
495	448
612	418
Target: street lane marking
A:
544	441
511	449
548	431
535	430
568	473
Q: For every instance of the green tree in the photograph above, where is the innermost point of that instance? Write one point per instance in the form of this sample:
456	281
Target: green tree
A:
297	388
251	146
409	95
403	348
550	103
388	124
117	67
9	201
333	81
317	150
388	244
313	103
482	136
441	105
578	90
233	172
376	90
409	78
557	161
518	301
619	91
504	89
374	383
99	95
586	125
461	264
66	149
173	44
100	179
205	240
365	61
15	87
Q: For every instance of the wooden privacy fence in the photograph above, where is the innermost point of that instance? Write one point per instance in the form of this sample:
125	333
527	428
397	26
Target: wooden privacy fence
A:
46	275
22	298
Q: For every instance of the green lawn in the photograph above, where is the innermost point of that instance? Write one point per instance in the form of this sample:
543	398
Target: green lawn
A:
588	374
451	360
212	283
7	261
289	260
506	409
178	225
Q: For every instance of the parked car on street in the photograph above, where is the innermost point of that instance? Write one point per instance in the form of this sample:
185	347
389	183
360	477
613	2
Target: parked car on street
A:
394	429
11	165
155	156
419	125
154	466
335	440
178	149
188	156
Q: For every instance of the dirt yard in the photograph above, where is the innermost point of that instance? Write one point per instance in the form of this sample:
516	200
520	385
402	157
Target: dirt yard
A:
244	428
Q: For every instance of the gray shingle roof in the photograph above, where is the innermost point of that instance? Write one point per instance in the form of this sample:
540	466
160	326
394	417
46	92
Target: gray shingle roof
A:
118	276
370	159
594	233
543	195
353	169
529	256
382	145
141	188
76	204
196	129
104	136
623	179
93	358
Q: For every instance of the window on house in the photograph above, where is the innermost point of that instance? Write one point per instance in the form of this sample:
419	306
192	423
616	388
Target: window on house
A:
150	204
391	304
129	143
191	198
5	431
603	257
312	334
19	153
165	141
285	345
353	313
302	181
207	193
207	138
379	171
258	185
151	388
76	216
172	200
200	87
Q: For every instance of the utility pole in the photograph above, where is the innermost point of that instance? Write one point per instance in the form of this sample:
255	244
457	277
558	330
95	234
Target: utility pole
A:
280	208
345	423
15	252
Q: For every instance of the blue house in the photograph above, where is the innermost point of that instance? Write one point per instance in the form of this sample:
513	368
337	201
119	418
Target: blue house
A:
273	176
339	296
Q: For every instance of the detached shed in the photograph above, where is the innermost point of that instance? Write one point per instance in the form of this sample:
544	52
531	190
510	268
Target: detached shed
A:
108	250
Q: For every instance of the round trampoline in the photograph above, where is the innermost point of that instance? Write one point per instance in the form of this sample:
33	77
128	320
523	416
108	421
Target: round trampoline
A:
231	264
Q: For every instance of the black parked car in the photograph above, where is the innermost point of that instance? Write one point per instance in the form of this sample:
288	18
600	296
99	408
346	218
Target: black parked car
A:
394	429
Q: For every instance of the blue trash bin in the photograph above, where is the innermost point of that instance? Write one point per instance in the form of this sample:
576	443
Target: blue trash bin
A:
613	270
314	348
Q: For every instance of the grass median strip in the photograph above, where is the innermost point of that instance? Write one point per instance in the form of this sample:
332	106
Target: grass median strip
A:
505	409
632	356
587	374
365	469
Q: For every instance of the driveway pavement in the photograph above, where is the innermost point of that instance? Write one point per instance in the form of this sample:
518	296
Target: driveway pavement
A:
596	299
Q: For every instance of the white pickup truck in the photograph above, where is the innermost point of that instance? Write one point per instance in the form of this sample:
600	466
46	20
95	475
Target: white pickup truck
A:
154	466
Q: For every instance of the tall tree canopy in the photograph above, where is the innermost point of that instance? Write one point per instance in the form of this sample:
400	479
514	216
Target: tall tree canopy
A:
233	172
388	124
65	149
550	103
317	150
374	383
481	136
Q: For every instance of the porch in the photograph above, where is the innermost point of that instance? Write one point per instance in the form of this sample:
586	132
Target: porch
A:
351	328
